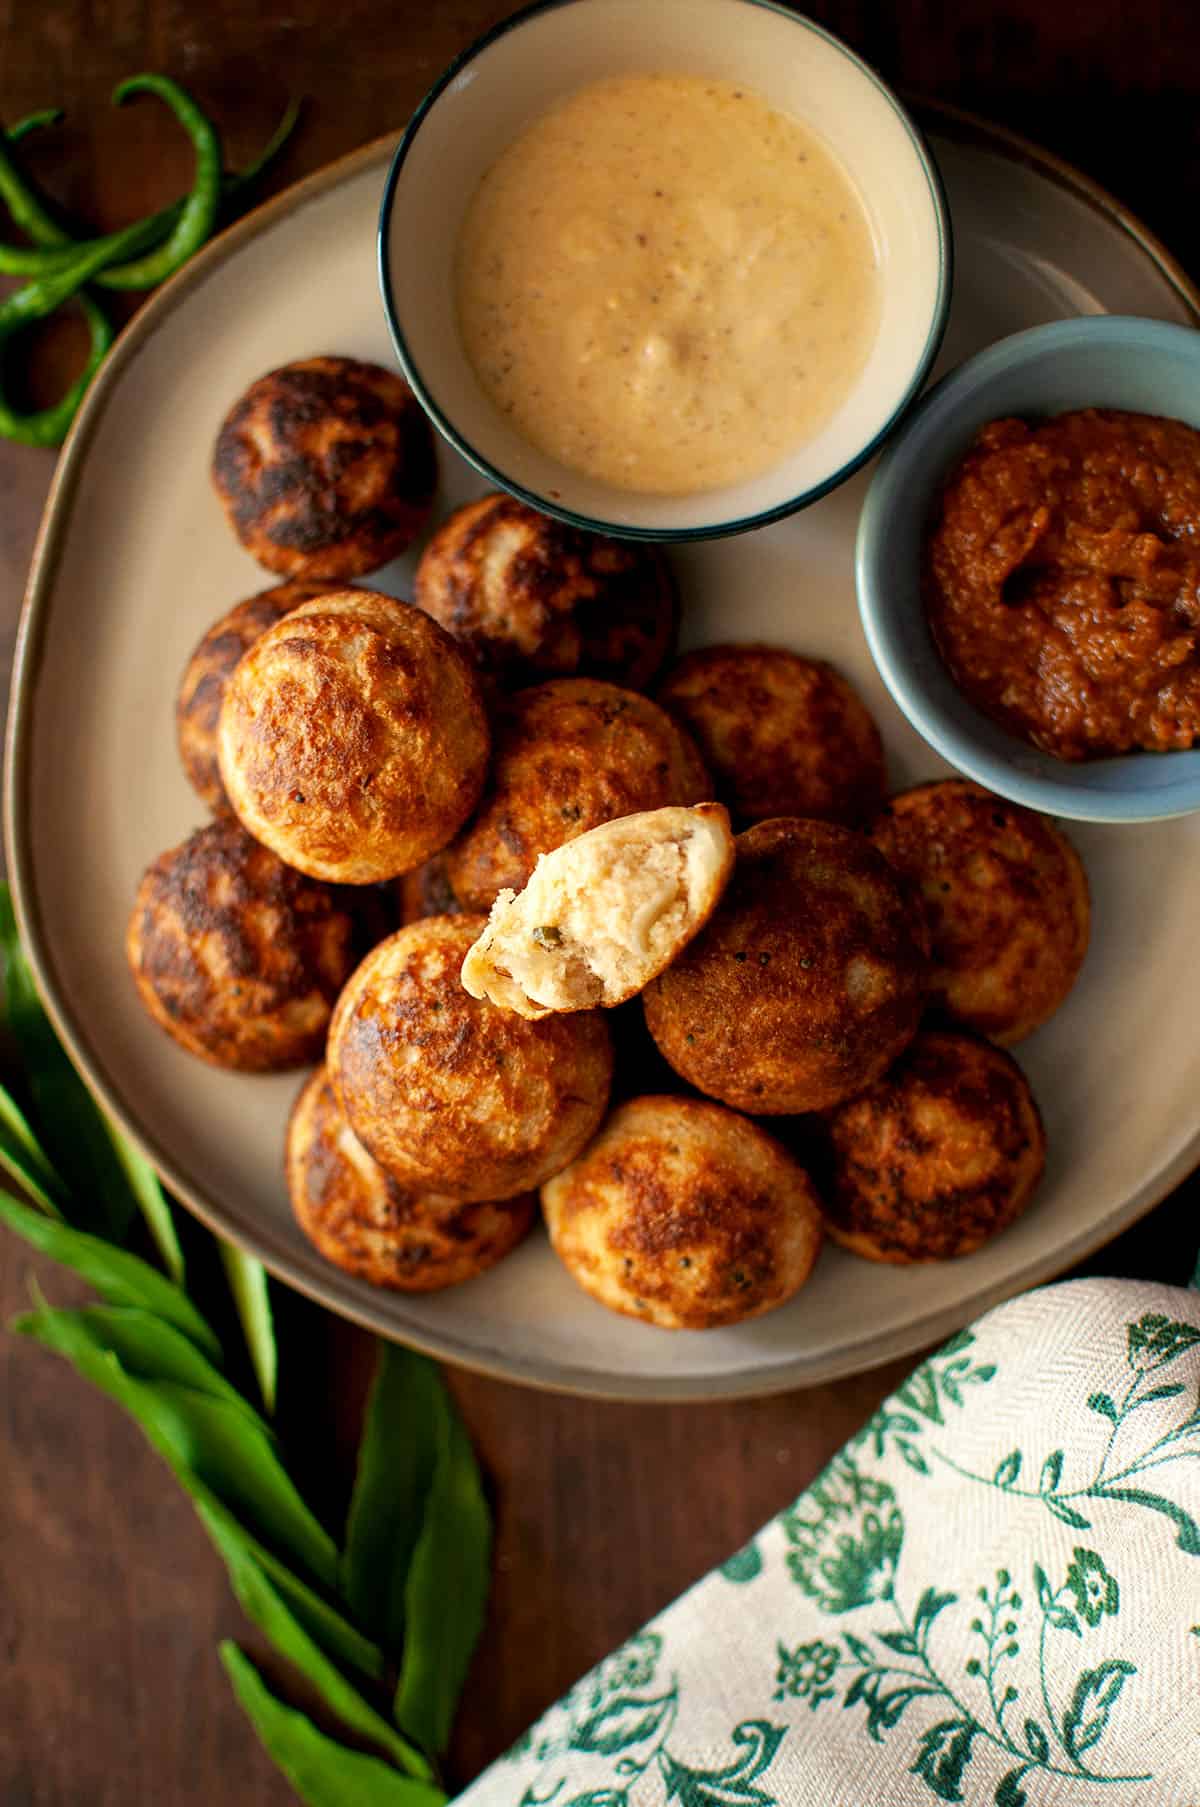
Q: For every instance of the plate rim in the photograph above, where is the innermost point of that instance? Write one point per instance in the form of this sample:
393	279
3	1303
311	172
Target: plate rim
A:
940	117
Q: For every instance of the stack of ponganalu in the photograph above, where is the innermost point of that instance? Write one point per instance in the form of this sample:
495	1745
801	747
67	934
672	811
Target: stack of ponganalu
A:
490	748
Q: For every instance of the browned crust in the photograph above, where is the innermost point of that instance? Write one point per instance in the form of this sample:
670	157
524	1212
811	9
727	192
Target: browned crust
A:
533	598
568	755
806	984
238	957
202	689
449	1093
353	738
426	891
1006	899
685	1215
366	1224
325	468
936	1158
781	735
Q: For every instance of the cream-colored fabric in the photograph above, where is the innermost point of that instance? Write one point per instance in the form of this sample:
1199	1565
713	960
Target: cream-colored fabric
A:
991	1595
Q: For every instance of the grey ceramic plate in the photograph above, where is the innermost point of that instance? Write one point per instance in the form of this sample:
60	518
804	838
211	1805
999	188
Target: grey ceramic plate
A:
133	563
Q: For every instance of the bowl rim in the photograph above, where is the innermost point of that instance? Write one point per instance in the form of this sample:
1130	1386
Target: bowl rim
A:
1065	796
594	523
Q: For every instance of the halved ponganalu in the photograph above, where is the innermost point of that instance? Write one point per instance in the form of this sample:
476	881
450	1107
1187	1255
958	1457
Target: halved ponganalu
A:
605	913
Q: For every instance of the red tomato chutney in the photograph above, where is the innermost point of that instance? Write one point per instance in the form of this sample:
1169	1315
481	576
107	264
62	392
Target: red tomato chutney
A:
1062	581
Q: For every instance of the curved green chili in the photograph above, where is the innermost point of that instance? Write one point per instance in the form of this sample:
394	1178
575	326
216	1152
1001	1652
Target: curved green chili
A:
26	206
49	425
199	211
49	260
33	122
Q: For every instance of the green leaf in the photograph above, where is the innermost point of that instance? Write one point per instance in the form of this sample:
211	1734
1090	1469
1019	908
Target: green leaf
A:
150	1349
1067	1514
22	1158
323	1772
1102	1403
262	1604
731	1785
1063	1619
225	1446
406	1411
1008	1470
929	1606
1095	1694
902	1642
323	1622
121	1278
912	1455
1041	1581
248	1283
1155	1341
1188	1539
622	1721
451	1564
152	1202
71	1128
1009	1792
945	1751
744	1565
1170	1392
1051	1473
1037	1741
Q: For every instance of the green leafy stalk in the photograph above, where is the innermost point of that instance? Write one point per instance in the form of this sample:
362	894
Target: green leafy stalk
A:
118	1276
23	1160
330	1629
226	1447
446	1592
323	1772
248	1283
397	1456
262	1604
69	1124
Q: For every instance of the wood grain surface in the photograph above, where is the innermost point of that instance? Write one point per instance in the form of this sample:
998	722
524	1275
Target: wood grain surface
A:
111	1604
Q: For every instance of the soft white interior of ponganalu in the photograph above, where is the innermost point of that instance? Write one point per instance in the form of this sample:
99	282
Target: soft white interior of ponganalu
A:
603	914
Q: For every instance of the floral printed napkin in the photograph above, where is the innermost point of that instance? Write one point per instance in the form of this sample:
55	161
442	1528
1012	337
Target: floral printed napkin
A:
991	1595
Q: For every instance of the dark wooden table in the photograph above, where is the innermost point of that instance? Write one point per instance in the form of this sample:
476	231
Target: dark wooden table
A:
111	1603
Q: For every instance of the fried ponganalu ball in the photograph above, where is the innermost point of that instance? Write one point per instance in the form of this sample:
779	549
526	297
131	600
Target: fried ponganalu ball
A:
569	755
935	1158
352	739
604	914
1005	897
806	984
449	1093
685	1215
781	735
202	691
326	468
533	598
236	956
368	1225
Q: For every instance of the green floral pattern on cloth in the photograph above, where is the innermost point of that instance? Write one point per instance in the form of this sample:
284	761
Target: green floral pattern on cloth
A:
991	1595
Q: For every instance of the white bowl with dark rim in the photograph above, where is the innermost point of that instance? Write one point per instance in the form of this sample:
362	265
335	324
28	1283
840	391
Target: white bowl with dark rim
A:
522	68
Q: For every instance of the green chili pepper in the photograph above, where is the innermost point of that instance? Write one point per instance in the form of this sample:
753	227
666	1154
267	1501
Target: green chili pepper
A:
26	206
199	211
33	122
49	260
49	425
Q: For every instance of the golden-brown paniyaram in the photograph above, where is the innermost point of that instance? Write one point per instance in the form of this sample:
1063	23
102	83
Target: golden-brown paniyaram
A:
781	735
806	983
368	1225
686	1215
1005	897
236	956
325	468
568	755
353	740
532	598
605	913
202	689
426	891
937	1157
449	1093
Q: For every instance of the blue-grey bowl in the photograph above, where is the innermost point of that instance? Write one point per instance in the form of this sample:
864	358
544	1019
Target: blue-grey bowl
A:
1099	361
